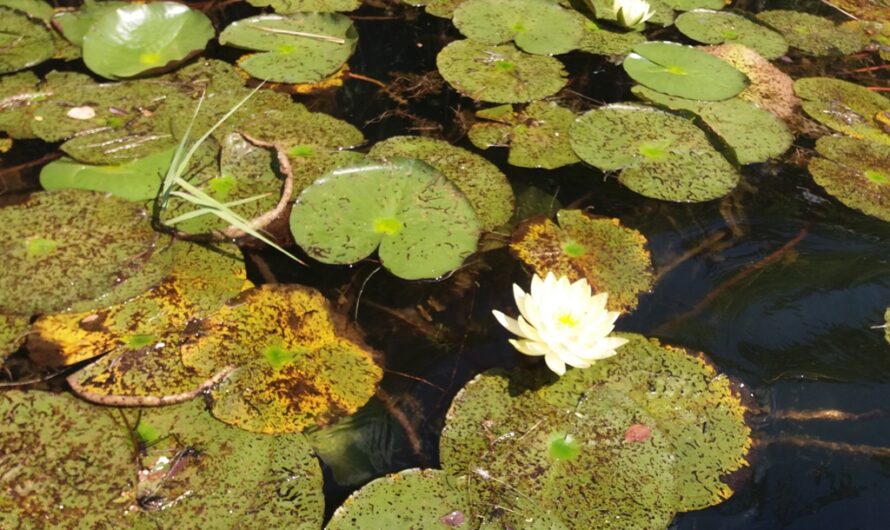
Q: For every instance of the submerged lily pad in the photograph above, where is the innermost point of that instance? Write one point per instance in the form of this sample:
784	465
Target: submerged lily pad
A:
856	172
413	498
661	155
200	281
683	71
424	225
298	48
138	38
770	87
287	7
136	180
25	41
86	245
752	133
610	257
483	184
500	74
813	34
13	330
287	352
844	106
714	27
537	26
538	136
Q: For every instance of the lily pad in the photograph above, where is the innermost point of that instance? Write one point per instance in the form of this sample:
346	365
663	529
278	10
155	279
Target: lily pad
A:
138	180
683	71
770	87
310	161
538	136
844	106
689	5
661	155
139	38
74	24
25	41
424	225
537	26
13	330
200	281
856	172
813	34
874	10
601	40
752	133
17	92
500	74
439	8
483	184
612	258
287	351
295	126
887	326
413	498
287	7
87	246
32	8
714	27
298	48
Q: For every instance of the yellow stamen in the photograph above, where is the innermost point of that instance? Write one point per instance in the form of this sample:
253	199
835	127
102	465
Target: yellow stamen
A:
568	320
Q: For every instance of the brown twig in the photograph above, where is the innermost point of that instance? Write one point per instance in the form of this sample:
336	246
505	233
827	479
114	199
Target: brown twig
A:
828	415
402	419
365	78
841	447
146	401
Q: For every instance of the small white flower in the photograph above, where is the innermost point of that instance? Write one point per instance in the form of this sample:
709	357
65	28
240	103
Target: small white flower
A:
632	12
563	322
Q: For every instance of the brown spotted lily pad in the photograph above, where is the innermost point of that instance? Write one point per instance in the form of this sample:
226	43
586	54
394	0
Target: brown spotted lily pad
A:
612	258
846	107
856	172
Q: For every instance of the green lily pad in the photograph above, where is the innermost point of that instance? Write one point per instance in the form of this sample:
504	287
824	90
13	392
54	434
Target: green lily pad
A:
537	26
200	281
288	352
601	40
298	48
538	136
309	162
25	41
13	330
295	126
89	248
752	133
612	258
483	184
413	498
714	27
500	74
287	7
138	180
844	106
32	8
17	91
812	34
683	71
139	38
689	5
62	452
869	10
661	155
770	88
856	172
424	226
73	25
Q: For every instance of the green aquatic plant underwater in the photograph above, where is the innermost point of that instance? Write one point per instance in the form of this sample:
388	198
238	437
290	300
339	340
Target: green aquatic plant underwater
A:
165	367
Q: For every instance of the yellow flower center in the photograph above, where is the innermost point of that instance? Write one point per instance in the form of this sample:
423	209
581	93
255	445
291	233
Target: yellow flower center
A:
568	320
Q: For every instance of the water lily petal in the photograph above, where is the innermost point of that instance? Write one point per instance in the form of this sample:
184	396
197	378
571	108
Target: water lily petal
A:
555	364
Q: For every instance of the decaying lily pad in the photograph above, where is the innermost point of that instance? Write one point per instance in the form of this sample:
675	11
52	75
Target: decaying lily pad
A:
297	48
413	498
424	226
887	326
538	136
610	257
844	106
13	329
683	71
873	10
813	34
661	155
601	40
25	41
88	247
770	88
537	26
286	7
73	25
137	38
69	464
200	281
856	172
483	184
752	133
715	27
287	352
500	74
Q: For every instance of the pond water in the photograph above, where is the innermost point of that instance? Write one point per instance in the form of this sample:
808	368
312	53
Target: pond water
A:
781	285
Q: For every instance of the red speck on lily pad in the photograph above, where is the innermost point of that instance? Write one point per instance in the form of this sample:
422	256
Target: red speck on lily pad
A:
637	433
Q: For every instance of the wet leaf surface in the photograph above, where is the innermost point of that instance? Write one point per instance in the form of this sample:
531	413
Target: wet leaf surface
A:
856	172
25	41
714	27
537	26
813	34
844	106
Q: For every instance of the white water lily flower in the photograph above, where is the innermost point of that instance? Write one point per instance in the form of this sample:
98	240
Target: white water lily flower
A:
563	322
632	12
